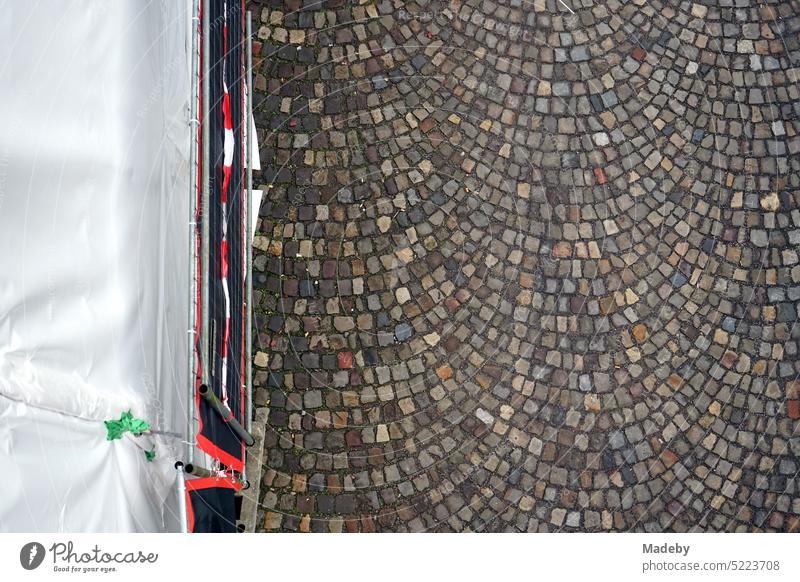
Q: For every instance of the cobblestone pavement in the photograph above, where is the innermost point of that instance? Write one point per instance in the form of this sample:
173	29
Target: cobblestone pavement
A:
520	269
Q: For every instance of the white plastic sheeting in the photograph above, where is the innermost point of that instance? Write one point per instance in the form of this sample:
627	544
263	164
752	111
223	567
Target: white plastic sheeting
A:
94	258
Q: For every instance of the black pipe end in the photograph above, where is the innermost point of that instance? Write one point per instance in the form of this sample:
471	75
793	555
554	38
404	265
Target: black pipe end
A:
189	468
203	389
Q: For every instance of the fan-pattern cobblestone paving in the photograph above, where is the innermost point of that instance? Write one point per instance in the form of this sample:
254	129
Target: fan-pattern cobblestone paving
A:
524	269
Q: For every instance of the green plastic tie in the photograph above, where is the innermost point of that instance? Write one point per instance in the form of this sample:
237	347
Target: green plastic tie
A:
126	423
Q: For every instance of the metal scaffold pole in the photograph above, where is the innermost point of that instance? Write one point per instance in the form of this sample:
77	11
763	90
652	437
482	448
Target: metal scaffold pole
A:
225	414
192	338
205	200
249	243
194	126
179	467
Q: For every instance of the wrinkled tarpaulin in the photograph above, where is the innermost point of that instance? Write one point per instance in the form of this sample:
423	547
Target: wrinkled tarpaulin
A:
95	292
94	282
